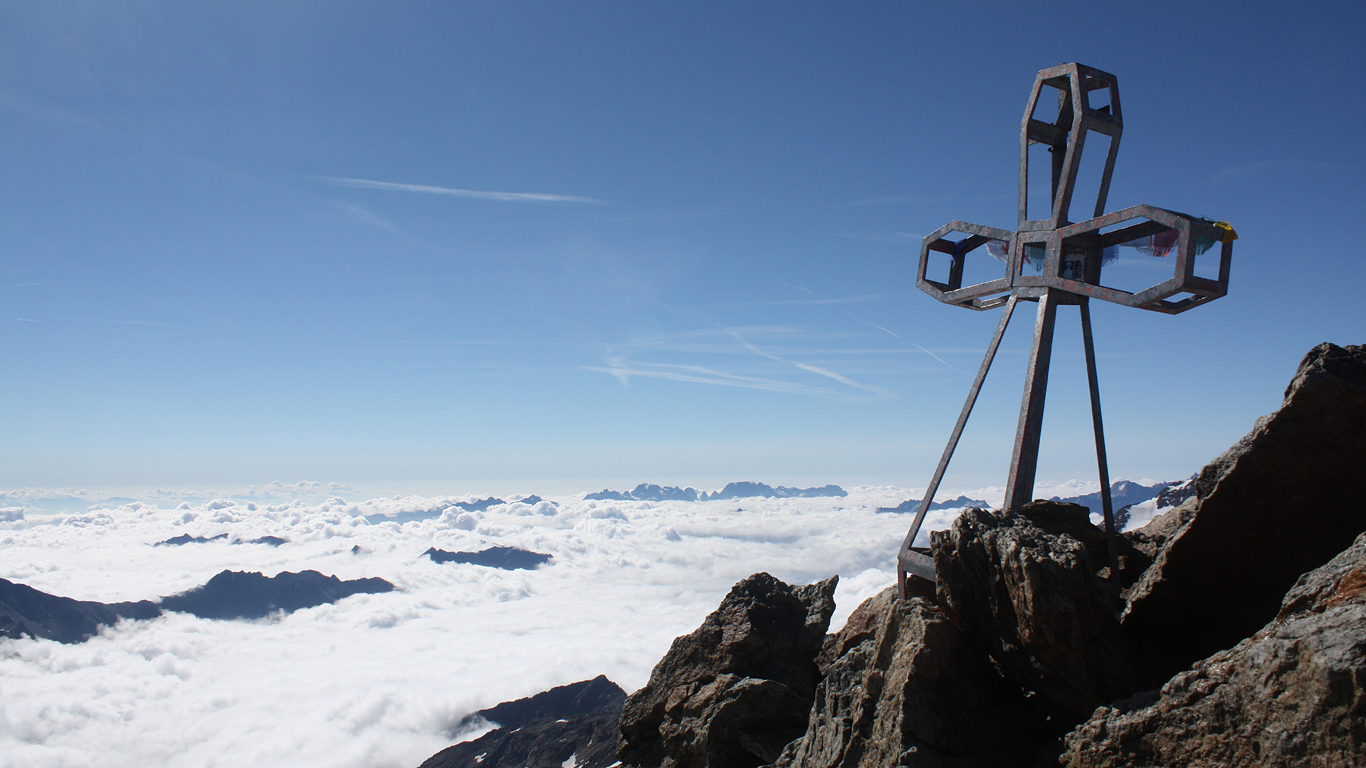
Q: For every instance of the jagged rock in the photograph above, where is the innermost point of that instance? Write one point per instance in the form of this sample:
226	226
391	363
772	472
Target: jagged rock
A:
908	688
574	724
252	595
25	611
737	689
1025	586
1282	501
1294	694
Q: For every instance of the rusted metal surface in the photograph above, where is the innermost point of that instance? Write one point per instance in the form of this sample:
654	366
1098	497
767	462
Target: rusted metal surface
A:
1102	463
1070	258
1020	486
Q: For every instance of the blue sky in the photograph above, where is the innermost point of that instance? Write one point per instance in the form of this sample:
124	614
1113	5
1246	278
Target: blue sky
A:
547	247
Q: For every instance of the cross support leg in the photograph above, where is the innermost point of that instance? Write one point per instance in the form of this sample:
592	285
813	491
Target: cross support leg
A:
1102	463
915	562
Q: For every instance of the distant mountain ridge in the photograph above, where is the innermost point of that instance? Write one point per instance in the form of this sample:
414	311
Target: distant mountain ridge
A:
739	490
506	558
186	538
1123	493
913	505
25	611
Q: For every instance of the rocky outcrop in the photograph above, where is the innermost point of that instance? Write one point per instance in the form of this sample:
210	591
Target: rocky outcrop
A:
1294	694
1028	586
506	558
27	612
907	687
736	690
573	724
1282	501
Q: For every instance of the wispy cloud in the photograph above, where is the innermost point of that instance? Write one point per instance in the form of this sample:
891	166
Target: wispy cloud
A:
694	374
1265	169
880	237
151	323
477	194
892	199
832	300
362	215
722	341
848	382
912	343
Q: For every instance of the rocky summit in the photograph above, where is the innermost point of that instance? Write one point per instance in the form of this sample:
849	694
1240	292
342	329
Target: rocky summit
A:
737	690
1233	634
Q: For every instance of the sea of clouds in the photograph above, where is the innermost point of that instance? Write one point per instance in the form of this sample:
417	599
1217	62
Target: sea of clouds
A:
379	680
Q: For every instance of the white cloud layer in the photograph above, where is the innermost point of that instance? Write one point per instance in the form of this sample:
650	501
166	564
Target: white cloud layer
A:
376	680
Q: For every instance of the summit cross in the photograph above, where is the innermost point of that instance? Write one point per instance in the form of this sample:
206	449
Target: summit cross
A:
1052	261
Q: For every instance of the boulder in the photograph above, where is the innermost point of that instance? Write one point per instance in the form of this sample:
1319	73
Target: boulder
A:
1029	587
1294	694
908	688
736	690
1282	501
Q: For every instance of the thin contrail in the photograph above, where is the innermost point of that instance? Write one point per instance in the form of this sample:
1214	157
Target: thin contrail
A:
912	343
515	197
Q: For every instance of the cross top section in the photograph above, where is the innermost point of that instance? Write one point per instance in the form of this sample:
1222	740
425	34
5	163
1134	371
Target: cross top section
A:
1053	252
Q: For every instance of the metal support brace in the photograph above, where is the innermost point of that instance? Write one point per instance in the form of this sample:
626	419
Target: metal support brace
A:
907	558
1102	463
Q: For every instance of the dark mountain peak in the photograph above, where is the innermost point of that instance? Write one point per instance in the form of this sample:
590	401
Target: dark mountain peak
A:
573	724
579	698
252	595
186	538
506	558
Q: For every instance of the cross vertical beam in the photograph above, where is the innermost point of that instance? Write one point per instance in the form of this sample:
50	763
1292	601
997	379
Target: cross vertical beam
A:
1020	486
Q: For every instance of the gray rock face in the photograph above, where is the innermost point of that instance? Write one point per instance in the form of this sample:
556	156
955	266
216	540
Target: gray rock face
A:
1025	586
736	690
1282	501
908	688
1294	694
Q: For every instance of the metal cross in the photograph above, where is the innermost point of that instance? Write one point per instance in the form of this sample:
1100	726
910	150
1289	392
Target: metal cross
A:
1053	262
